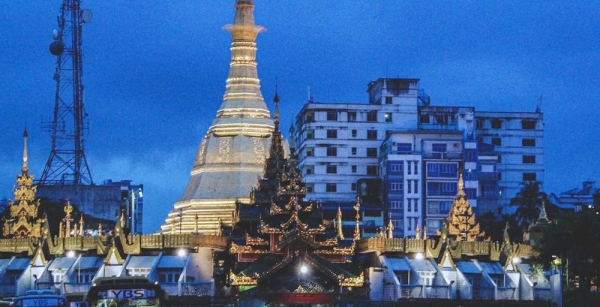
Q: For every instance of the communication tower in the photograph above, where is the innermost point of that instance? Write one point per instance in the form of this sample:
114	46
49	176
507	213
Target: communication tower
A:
67	164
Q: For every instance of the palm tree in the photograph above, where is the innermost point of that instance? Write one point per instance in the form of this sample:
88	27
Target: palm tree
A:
529	201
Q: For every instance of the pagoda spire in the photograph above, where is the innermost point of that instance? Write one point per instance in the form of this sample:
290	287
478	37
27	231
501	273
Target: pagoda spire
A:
23	221
25	168
338	222
234	150
543	217
357	228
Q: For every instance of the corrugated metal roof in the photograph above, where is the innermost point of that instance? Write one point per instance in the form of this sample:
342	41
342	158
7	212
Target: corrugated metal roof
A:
141	262
61	263
19	264
171	262
422	265
492	268
4	263
91	262
468	267
398	264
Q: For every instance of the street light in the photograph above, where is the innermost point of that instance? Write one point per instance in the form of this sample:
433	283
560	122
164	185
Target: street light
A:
419	256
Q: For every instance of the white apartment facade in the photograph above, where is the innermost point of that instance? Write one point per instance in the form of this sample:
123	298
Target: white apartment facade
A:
340	143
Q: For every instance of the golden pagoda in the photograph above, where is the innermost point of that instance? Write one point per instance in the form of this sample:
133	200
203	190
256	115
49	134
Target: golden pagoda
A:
232	153
461	221
23	221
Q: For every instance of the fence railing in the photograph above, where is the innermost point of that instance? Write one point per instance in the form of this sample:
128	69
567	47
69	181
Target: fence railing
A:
411	291
437	292
507	293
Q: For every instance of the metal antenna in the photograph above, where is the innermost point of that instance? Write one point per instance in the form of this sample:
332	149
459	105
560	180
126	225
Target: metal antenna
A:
67	164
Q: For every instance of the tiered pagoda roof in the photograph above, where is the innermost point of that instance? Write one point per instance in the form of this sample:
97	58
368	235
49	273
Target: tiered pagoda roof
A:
278	232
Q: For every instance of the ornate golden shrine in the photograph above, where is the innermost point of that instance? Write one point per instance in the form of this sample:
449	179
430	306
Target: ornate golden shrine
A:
278	232
461	221
23	221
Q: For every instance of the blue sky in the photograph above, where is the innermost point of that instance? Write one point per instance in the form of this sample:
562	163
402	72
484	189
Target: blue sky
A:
155	72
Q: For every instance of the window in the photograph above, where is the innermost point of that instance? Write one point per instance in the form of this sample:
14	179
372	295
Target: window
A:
395	204
331	115
371	134
395	186
496	124
424	118
528	142
372	116
479	124
371	169
351	116
409	167
332	134
497	141
309	188
416	165
416	186
528	159
353	133
388	100
409	186
331	187
371	152
310	134
310	152
309	169
396	167
470	156
388	117
499	159
404	147
331	169
528	125
331	151
409	204
529	177
310	117
353	186
353	151
353	168
416	204
437	147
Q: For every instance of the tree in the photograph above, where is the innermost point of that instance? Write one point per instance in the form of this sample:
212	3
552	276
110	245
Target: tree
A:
528	201
576	240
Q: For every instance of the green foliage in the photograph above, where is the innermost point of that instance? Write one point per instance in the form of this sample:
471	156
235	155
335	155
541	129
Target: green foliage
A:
576	240
494	226
529	201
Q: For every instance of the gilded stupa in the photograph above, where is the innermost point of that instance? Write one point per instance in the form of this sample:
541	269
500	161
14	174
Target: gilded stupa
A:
232	155
461	222
23	221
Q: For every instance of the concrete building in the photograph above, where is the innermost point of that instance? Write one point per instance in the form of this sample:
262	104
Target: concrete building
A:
578	198
105	201
400	138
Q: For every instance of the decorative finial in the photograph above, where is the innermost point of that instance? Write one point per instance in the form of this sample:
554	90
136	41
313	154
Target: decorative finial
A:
357	228
418	233
461	185
276	101
390	228
25	168
338	219
543	217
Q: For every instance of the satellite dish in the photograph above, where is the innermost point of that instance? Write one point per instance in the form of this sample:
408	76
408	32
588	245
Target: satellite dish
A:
86	16
57	47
